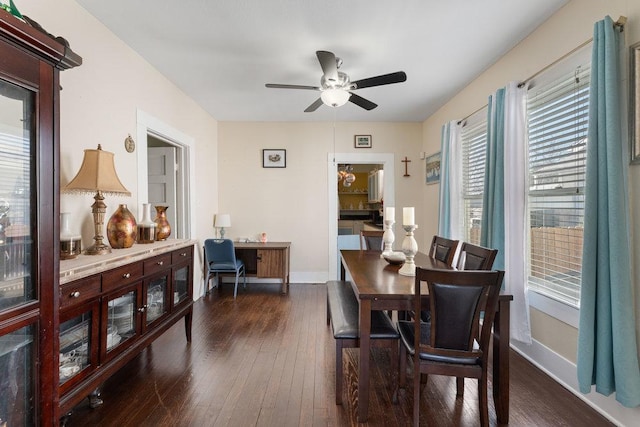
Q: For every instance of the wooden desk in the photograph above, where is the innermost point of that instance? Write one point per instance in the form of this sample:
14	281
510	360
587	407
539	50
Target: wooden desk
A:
266	260
378	286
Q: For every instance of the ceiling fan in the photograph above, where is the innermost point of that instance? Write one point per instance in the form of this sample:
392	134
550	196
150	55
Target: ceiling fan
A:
336	88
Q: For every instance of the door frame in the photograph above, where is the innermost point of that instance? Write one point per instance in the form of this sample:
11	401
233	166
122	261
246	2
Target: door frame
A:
185	156
387	160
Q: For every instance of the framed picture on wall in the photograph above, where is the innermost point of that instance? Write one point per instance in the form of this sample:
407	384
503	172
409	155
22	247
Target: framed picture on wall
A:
274	158
433	168
362	141
634	103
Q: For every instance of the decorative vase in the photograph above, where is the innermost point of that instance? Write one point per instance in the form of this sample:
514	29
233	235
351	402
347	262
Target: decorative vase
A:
121	228
146	227
163	228
70	244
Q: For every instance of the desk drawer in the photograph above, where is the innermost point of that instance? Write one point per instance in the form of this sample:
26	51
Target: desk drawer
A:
181	255
121	276
79	291
158	263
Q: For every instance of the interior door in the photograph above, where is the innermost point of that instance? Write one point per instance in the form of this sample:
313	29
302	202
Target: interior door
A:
161	164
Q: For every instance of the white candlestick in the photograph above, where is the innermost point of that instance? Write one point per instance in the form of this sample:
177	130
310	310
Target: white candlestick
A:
408	216
390	213
410	249
388	237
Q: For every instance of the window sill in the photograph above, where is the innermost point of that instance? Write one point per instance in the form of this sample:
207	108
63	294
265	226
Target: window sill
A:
561	311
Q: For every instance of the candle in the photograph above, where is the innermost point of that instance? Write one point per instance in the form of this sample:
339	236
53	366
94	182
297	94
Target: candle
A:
408	216
390	213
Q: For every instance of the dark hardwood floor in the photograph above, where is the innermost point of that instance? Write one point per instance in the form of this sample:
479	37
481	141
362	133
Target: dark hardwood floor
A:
266	359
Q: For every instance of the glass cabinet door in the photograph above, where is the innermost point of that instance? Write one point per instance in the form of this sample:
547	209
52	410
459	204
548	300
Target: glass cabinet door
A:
181	284
121	319
16	188
17	395
75	345
156	298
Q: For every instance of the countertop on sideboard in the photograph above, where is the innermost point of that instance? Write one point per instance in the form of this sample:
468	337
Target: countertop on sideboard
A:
86	265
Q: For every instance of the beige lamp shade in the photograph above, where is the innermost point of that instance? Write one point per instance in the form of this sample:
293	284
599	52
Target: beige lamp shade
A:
223	220
97	173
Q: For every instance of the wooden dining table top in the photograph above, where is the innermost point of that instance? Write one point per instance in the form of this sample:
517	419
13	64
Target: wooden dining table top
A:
376	278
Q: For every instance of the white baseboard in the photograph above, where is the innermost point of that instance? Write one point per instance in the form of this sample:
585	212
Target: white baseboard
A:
564	372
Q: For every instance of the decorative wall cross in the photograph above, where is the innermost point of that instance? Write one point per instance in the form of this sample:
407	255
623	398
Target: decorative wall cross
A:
406	166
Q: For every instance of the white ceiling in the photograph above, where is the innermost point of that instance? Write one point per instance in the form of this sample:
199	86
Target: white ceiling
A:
222	52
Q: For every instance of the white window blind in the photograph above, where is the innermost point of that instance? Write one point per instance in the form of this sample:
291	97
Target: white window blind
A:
557	115
474	143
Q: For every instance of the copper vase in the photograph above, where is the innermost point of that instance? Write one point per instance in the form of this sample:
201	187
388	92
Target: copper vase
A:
163	228
121	228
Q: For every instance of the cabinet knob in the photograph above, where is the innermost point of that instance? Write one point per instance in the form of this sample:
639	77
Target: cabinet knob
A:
142	309
183	254
160	263
75	294
126	275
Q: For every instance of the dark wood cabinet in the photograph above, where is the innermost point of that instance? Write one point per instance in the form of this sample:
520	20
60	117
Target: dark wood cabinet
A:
29	227
119	305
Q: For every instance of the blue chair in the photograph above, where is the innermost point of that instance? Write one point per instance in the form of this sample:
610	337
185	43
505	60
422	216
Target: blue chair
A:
220	257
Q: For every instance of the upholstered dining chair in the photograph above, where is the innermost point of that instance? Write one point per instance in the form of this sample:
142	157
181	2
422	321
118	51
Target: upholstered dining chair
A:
220	257
473	257
371	240
443	249
447	345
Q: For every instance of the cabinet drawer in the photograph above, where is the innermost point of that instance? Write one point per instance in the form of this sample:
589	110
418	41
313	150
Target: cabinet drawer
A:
181	254
158	263
121	276
79	291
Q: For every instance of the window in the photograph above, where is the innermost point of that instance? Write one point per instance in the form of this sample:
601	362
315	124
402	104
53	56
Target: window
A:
557	116
474	142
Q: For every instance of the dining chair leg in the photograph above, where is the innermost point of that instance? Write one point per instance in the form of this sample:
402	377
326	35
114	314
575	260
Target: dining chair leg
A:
402	369
459	386
416	392
483	401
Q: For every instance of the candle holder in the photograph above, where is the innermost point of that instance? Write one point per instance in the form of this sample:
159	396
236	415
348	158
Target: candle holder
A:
410	249
388	237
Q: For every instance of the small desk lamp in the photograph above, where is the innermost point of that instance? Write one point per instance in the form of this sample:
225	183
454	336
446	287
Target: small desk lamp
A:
221	221
97	174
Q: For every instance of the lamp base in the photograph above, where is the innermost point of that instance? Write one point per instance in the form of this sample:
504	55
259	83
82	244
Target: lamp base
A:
97	249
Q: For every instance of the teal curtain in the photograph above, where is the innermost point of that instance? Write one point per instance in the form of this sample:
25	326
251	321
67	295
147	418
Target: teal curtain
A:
492	223
444	218
607	351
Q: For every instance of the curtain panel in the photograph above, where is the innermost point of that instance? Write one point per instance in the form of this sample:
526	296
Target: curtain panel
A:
607	348
450	197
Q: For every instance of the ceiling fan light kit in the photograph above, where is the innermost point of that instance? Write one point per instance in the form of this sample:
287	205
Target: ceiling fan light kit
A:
335	97
336	87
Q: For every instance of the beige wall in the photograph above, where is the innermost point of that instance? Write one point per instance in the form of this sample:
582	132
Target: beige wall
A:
565	30
291	204
98	105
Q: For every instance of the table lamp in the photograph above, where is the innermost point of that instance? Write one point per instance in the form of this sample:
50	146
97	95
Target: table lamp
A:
97	174
221	221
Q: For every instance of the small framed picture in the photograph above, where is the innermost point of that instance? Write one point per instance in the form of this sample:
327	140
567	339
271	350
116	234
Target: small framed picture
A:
362	141
274	158
433	168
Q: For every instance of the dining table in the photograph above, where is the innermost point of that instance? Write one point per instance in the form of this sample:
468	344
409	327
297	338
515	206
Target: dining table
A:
378	286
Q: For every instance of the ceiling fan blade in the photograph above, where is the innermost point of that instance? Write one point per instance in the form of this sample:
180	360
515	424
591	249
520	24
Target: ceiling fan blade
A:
313	107
385	79
361	102
279	86
328	64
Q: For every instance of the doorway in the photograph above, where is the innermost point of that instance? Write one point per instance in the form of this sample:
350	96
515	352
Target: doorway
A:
166	172
385	160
